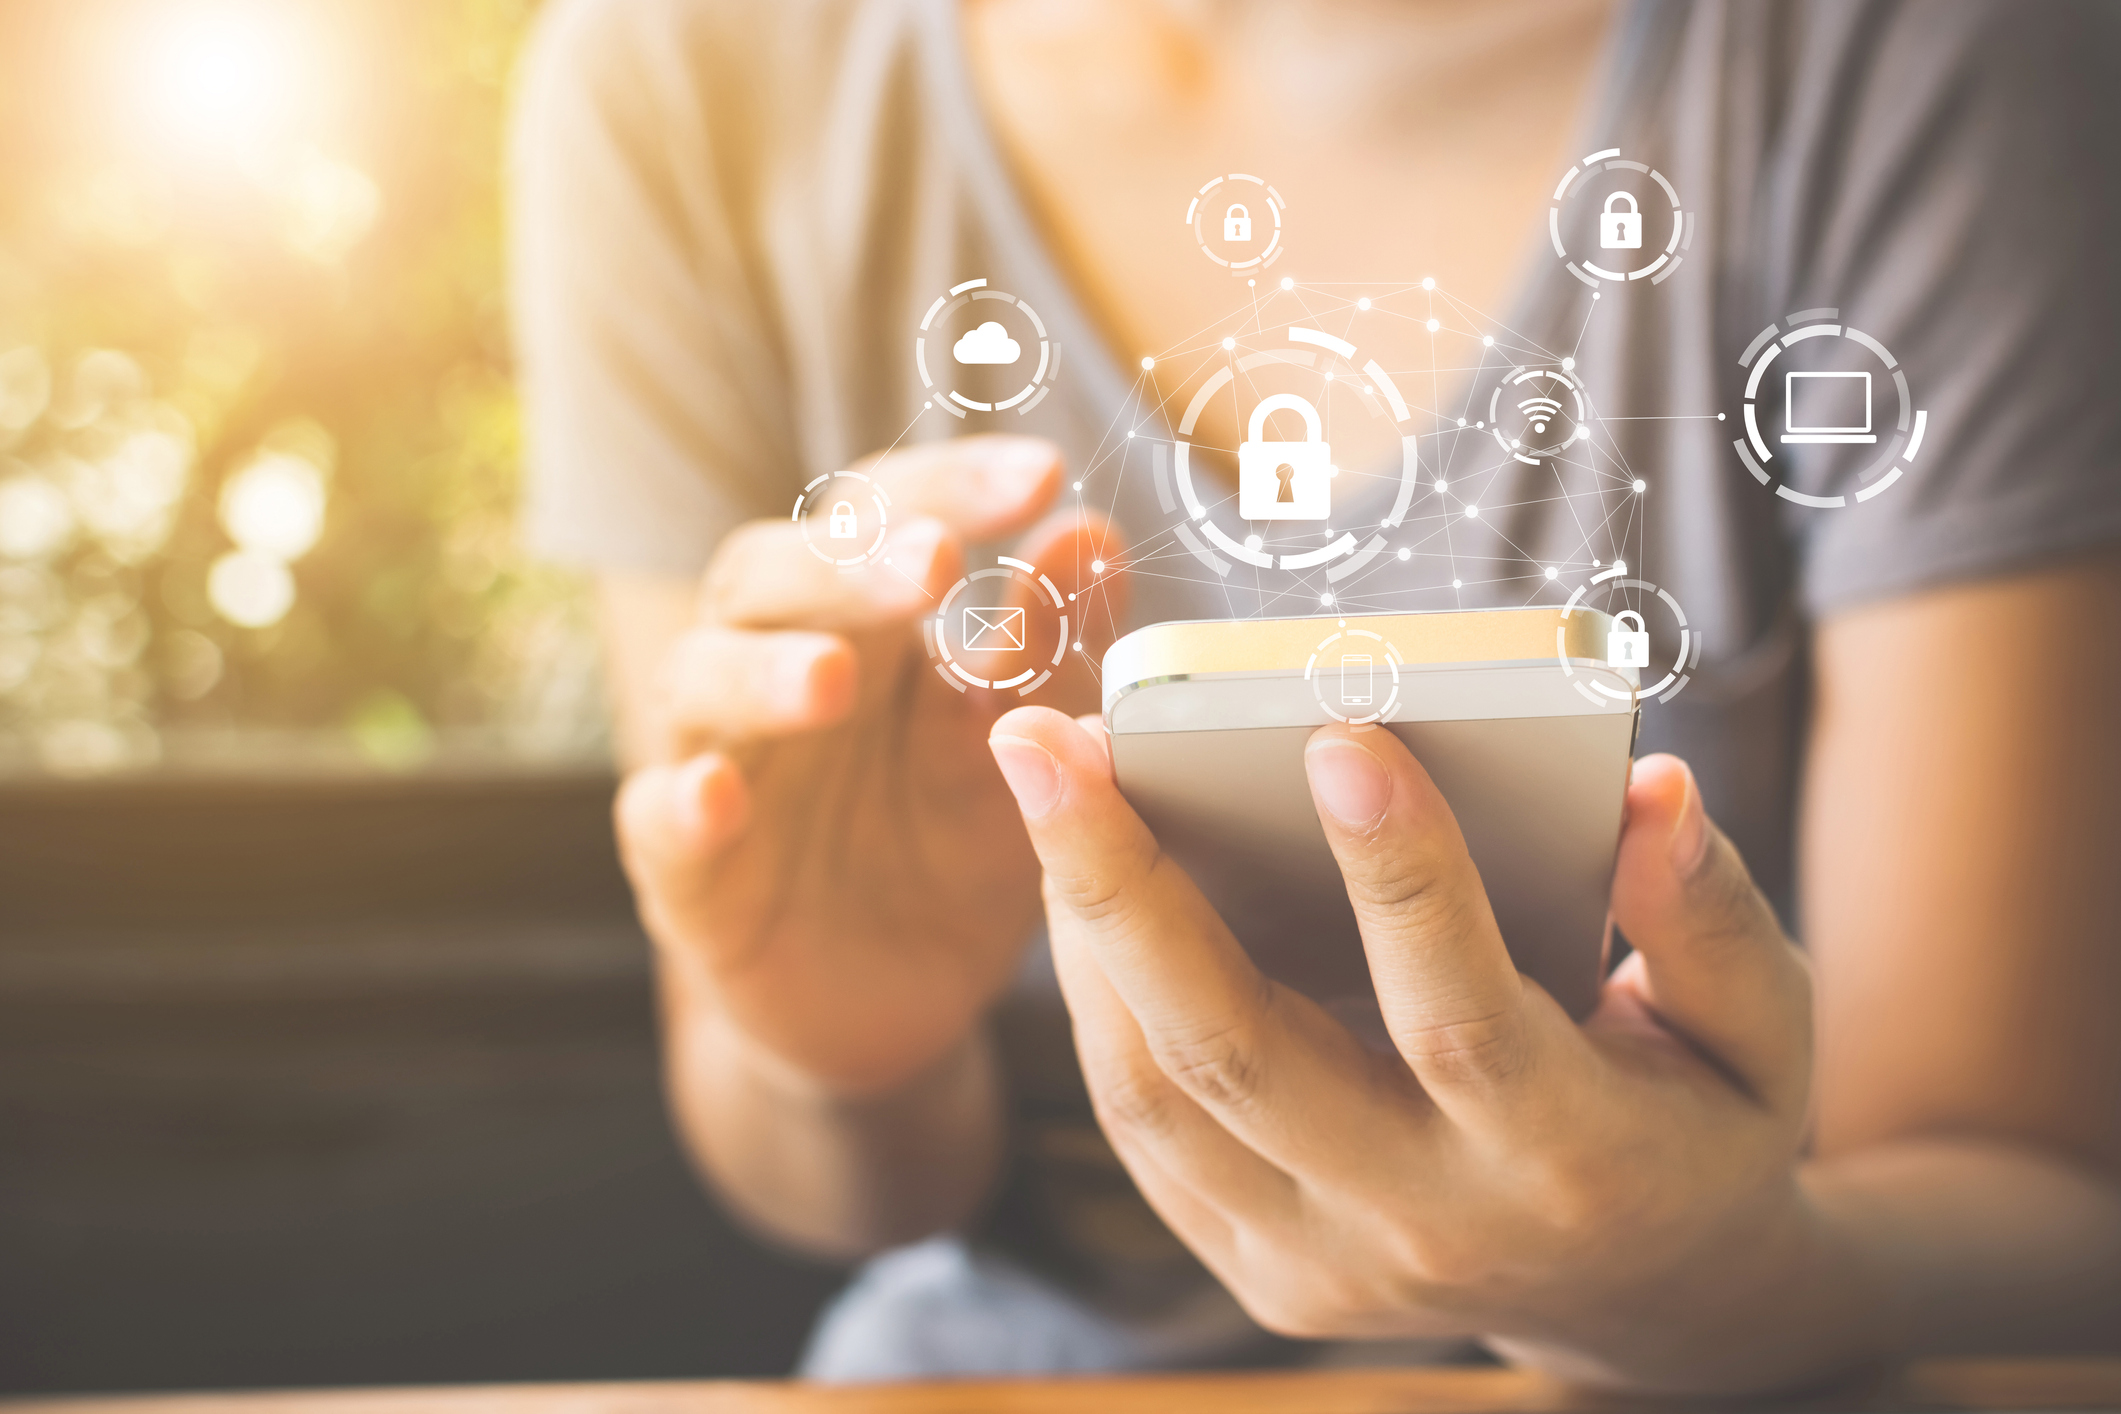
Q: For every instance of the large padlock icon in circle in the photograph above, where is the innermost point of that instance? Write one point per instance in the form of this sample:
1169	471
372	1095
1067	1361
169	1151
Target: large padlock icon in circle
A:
842	525
1284	480
1620	230
1625	647
1237	224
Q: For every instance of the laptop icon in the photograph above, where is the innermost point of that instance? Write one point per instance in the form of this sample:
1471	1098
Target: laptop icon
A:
1827	407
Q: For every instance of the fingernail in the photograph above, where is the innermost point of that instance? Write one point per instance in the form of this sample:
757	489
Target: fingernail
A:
790	673
690	786
1350	782
1032	773
1690	832
913	544
911	551
1017	466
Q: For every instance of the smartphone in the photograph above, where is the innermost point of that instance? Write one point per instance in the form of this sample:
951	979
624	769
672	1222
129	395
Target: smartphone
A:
1518	715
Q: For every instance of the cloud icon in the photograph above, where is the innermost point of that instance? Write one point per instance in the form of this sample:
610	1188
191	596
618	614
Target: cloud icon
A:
990	343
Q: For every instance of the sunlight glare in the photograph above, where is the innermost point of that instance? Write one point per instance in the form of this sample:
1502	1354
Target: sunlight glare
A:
220	78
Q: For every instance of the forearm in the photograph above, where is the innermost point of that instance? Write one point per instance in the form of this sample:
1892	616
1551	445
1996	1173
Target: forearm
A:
834	1176
1944	1247
1980	1247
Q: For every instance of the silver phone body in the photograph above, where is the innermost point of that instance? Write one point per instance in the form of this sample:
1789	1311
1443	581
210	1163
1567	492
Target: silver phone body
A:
1208	723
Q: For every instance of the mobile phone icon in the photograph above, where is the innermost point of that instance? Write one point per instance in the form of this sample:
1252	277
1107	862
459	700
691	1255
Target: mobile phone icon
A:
1356	671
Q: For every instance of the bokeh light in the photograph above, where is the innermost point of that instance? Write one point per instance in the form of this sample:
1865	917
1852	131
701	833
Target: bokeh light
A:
36	519
274	506
249	589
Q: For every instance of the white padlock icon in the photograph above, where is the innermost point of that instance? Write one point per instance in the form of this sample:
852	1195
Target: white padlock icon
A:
1625	648
1237	224
1284	480
842	520
1620	230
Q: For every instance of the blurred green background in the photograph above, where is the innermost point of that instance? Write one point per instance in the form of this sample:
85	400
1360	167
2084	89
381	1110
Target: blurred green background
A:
258	444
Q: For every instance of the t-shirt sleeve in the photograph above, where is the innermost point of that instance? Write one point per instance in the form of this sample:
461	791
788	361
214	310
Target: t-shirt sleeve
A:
1956	199
655	414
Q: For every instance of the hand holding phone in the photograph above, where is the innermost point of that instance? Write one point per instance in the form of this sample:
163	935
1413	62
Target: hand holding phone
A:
1617	1200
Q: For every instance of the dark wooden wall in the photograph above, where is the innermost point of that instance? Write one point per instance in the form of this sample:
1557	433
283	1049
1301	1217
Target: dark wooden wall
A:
346	1082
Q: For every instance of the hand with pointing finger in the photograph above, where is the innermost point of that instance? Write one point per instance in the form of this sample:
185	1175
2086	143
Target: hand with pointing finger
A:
823	845
1618	1201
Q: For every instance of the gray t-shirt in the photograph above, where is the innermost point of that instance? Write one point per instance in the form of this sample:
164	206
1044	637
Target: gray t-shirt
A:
729	218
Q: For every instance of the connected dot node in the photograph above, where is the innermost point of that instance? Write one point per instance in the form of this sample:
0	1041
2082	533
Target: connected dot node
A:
1097	567
1428	282
1406	554
1472	513
1078	648
1642	486
1229	343
1719	417
1147	364
1325	598
1461	422
1487	341
1130	432
1442	485
1434	325
1253	542
1568	365
1363	303
1079	485
1458	584
1287	283
1553	573
1252	282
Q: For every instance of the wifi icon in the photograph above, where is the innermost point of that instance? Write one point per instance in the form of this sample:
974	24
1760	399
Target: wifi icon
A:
1540	410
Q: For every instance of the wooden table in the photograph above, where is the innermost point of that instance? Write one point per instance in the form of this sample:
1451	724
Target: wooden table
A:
1955	1385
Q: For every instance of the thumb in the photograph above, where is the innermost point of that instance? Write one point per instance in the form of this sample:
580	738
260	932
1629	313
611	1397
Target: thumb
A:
1717	968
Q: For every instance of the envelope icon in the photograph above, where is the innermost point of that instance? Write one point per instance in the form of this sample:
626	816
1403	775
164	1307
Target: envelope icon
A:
995	629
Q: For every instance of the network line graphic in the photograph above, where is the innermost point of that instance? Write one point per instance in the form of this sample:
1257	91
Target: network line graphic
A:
1444	434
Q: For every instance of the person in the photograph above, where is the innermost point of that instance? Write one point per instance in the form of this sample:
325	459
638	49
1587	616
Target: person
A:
1753	1167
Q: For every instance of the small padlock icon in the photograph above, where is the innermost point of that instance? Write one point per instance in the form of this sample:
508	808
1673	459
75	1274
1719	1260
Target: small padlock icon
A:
1620	230
842	520
1625	648
1237	224
1284	480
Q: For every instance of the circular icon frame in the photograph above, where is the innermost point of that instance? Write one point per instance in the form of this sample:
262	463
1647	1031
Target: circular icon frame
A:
1579	412
806	523
1665	688
936	631
1752	448
1344	555
1317	678
1268	197
948	398
1668	260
